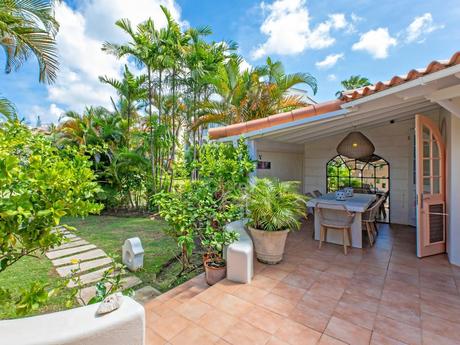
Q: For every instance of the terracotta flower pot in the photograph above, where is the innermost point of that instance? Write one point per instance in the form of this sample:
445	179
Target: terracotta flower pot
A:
214	274
269	245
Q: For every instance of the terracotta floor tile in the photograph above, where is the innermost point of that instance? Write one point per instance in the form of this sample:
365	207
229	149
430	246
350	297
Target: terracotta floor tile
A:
243	333
355	315
315	264
348	332
194	335
228	286
361	301
340	271
167	308
448	312
232	305
437	296
153	338
309	317
273	272
264	319
300	279
210	295
396	310
398	330
222	342
277	304
263	282
323	304
436	339
193	309
171	325
289	292
217	322
326	290
296	334
379	339
327	340
276	341
250	293
441	327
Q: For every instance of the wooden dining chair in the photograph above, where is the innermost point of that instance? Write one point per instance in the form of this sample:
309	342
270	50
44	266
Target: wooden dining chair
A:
369	220
338	219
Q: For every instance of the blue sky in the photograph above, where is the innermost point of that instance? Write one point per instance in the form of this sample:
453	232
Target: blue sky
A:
331	39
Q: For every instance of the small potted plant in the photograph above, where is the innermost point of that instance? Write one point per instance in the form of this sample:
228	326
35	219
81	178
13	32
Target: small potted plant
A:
274	208
214	240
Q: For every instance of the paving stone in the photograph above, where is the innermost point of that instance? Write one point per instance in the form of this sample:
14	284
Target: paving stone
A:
84	266
65	245
145	294
127	282
70	236
69	251
91	277
93	254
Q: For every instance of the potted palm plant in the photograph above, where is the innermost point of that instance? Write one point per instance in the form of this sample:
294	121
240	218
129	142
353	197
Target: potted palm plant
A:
274	208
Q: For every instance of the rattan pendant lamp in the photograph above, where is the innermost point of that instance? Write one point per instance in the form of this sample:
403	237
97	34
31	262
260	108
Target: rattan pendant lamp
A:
355	145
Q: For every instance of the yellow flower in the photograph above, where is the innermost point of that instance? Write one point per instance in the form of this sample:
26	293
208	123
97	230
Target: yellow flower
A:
74	261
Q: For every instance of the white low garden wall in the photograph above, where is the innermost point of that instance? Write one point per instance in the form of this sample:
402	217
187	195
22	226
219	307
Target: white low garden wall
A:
79	326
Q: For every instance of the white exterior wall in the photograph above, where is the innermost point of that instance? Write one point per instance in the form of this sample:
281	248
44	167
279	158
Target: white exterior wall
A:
286	161
453	187
393	142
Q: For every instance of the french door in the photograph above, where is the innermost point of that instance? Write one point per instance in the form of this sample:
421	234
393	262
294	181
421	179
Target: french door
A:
430	188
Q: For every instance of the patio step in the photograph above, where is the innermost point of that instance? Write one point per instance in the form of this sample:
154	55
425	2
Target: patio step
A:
145	294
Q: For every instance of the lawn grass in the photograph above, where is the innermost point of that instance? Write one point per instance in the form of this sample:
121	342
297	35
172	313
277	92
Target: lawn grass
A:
22	274
110	232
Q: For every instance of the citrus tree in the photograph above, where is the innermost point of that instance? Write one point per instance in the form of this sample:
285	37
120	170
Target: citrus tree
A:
39	184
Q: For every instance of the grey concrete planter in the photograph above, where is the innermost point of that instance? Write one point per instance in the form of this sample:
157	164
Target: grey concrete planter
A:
269	245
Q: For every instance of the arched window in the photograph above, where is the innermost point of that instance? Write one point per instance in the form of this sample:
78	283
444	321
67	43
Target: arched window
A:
366	175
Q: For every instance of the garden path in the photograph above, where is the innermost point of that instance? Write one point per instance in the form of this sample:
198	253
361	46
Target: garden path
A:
94	262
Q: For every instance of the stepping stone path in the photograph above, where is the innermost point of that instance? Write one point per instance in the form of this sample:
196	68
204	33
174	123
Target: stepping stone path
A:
93	263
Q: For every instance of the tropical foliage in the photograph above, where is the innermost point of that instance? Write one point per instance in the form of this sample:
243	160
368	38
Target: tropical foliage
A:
28	28
39	184
354	82
274	205
201	208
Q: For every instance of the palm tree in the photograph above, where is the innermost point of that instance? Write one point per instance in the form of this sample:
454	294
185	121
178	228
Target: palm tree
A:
7	108
28	27
354	82
131	91
253	94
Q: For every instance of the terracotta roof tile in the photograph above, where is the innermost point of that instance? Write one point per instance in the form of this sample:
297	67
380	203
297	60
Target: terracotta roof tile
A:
274	120
326	107
433	66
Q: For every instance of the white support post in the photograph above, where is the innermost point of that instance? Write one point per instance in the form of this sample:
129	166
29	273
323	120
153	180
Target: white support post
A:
253	155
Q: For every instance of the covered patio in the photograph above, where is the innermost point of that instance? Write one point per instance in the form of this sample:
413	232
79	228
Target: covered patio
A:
379	295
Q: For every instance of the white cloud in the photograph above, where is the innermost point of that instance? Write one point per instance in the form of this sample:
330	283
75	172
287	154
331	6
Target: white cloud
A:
420	27
80	38
331	77
376	42
329	61
47	115
288	30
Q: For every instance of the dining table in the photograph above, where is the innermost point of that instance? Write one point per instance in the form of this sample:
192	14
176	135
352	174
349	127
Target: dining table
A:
358	204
